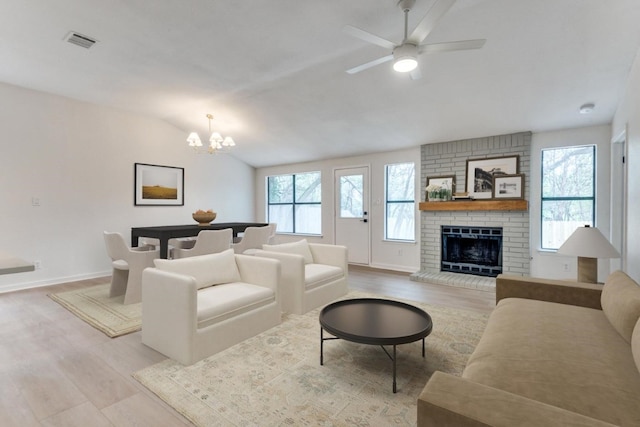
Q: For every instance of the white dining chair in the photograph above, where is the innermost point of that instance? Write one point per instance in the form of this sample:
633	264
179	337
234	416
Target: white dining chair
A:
127	264
207	242
252	239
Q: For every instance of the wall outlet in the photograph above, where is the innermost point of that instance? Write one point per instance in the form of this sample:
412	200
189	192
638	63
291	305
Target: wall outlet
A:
35	201
400	252
566	267
37	264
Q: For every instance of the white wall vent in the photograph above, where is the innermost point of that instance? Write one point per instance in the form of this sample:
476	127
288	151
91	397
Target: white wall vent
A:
80	39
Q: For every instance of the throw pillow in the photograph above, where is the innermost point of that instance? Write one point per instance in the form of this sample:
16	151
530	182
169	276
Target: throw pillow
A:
620	302
208	270
300	247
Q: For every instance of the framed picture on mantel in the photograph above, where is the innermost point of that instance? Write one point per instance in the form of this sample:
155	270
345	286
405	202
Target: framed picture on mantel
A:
508	187
156	185
481	173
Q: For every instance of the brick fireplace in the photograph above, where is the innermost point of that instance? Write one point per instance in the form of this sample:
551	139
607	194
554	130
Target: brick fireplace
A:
448	158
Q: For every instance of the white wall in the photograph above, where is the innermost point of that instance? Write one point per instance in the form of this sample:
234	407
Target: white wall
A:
628	115
78	160
548	264
400	256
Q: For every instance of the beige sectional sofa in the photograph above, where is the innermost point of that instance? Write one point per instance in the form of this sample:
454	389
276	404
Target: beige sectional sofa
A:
554	353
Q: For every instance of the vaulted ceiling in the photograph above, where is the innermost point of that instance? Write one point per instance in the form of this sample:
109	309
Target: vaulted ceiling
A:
272	72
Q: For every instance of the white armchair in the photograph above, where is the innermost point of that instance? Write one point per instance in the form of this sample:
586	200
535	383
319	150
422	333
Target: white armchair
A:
127	264
312	274
195	307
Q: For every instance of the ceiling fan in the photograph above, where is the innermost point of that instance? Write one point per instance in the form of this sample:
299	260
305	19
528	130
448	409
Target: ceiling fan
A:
405	55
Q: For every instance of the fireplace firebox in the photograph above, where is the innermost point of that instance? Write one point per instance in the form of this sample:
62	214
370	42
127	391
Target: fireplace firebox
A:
471	250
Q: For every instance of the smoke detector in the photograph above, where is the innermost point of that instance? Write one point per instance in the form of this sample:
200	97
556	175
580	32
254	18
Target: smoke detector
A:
587	108
81	40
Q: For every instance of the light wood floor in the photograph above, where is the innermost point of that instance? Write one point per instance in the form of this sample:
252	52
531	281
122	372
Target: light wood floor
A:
55	370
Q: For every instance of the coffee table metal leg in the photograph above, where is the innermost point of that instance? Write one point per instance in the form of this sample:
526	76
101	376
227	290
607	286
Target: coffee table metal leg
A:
422	347
394	368
321	346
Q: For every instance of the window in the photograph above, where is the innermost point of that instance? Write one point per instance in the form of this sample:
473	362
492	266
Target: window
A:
568	192
293	202
400	201
351	193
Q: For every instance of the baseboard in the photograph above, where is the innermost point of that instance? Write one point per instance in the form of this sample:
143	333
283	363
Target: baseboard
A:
53	281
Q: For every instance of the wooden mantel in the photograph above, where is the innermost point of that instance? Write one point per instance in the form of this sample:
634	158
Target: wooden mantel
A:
476	205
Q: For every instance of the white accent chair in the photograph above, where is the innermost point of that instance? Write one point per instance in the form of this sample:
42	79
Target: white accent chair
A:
312	274
195	307
252	239
127	264
207	242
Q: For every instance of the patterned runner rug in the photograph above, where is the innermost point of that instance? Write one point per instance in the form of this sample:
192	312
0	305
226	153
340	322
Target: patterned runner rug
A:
94	306
275	378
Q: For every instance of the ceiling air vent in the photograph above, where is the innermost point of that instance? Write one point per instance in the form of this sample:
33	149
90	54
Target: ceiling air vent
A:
80	40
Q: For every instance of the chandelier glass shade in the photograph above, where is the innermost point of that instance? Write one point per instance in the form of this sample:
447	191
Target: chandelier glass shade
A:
217	143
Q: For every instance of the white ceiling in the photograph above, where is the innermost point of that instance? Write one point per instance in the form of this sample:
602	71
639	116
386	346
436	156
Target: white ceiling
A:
272	72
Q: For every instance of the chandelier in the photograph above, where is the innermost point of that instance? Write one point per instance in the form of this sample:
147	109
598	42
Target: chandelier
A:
217	144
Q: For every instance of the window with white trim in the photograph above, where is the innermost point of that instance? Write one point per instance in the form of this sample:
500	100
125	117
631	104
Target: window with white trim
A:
294	202
399	217
568	192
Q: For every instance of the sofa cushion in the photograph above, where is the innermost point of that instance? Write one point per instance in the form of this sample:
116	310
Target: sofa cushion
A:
621	303
218	303
300	247
319	274
207	270
566	356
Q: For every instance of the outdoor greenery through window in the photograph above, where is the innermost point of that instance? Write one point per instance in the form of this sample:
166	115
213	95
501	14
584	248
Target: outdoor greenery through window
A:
293	202
400	202
568	192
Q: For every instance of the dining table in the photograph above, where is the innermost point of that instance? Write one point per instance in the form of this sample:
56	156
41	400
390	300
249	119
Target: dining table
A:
165	232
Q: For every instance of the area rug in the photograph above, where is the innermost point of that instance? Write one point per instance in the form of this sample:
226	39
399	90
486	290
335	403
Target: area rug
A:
94	306
275	378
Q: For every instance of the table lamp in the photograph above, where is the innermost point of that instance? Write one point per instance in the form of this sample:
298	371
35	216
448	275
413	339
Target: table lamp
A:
588	244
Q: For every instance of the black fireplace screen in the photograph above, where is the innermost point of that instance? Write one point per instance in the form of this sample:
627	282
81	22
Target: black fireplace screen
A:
471	250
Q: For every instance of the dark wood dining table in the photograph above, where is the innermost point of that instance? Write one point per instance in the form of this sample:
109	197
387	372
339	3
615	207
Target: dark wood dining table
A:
165	232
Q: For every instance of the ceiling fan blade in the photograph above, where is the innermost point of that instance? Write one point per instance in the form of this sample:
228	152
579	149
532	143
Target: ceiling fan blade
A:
451	46
368	37
437	11
416	74
370	64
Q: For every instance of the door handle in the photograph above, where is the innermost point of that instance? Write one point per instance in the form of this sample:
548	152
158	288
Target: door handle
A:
364	220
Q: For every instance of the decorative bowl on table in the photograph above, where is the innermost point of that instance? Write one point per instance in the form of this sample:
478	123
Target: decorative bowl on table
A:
204	217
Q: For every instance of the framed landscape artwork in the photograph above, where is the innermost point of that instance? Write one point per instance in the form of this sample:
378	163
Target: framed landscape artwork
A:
481	173
156	185
508	186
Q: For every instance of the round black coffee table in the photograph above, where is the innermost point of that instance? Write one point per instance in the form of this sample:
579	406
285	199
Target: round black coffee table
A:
374	321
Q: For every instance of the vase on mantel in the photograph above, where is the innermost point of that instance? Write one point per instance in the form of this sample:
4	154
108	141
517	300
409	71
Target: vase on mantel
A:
439	196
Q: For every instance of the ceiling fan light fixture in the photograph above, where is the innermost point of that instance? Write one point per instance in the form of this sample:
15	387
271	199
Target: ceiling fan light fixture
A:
405	64
405	58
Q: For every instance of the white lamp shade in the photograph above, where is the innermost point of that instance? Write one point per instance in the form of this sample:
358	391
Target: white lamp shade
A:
194	140
228	142
215	137
588	242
